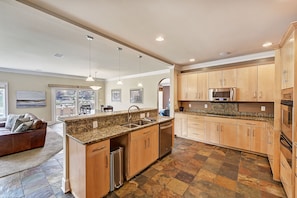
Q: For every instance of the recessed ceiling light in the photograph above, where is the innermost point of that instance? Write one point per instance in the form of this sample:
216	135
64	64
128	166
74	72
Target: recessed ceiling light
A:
224	53
267	44
58	55
160	38
192	59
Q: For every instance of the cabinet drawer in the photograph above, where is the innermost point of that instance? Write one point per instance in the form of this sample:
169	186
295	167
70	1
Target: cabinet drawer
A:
196	125
252	123
197	134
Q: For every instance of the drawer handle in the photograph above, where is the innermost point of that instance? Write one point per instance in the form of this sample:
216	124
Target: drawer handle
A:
98	149
106	161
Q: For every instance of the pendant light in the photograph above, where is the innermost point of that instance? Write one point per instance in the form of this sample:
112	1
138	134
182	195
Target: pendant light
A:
95	87
139	83
90	78
119	81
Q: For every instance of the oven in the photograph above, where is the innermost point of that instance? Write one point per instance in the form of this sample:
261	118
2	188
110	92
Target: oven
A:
286	148
286	118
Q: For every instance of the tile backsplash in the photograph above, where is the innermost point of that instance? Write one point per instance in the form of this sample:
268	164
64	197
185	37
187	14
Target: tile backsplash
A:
230	108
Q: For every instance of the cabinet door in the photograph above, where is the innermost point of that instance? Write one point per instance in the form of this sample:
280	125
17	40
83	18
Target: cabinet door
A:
202	88
265	83
259	139
182	85
287	63
229	78
228	136
212	132
244	136
247	84
137	151
215	79
192	86
98	172
181	125
151	144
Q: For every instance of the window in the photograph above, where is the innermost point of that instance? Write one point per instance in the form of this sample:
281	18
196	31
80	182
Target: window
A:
3	100
69	102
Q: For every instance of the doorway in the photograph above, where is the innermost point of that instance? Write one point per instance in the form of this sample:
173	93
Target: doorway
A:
164	97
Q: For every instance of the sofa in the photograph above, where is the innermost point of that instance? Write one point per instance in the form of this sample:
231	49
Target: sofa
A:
21	132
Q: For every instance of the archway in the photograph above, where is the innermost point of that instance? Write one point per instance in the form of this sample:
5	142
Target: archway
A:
164	97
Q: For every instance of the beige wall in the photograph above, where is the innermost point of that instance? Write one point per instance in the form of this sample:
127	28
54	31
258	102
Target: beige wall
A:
25	82
150	91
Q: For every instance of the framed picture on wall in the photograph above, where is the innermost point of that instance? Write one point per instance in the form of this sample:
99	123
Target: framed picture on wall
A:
30	99
116	95
136	95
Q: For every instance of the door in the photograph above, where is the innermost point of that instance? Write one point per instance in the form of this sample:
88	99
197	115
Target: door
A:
244	137
228	135
212	132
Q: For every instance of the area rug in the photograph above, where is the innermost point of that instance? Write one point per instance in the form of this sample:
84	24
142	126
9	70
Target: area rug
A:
27	159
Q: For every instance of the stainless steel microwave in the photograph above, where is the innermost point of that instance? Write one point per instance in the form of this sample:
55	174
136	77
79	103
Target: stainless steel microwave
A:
222	94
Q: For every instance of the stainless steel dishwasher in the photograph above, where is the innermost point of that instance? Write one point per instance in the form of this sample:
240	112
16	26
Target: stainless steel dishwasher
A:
165	138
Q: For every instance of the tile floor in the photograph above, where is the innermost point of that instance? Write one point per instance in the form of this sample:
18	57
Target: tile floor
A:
192	170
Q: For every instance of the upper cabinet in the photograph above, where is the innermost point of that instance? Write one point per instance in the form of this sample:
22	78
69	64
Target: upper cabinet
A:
192	86
287	62
223	78
254	83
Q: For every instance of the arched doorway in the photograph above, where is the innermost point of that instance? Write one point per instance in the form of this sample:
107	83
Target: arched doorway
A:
164	97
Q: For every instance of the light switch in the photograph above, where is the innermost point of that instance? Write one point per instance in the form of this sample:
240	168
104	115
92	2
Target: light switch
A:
95	124
205	106
190	105
142	115
263	108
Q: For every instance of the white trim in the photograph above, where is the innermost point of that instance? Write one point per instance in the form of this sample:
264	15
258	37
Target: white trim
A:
5	85
164	71
237	59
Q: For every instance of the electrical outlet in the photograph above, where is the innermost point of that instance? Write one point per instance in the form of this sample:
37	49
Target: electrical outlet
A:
190	105
95	124
142	115
263	108
148	114
205	106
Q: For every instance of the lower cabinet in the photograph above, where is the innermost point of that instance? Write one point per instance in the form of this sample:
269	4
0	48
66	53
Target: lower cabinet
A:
143	149
252	135
286	175
196	127
181	124
248	135
89	173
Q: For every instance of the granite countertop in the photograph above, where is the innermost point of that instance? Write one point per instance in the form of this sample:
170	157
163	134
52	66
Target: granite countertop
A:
255	118
102	114
97	135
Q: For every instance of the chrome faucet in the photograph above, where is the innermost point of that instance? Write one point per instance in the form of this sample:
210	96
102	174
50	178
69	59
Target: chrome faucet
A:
129	116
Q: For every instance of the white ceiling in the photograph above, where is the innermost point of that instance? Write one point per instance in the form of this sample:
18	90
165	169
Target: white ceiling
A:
197	29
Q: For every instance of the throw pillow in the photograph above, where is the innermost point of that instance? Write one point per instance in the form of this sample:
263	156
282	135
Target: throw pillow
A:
11	118
23	127
37	124
18	122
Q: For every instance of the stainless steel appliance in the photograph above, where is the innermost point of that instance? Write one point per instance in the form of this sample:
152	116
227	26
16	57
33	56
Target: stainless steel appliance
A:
222	94
286	118
286	148
116	168
165	141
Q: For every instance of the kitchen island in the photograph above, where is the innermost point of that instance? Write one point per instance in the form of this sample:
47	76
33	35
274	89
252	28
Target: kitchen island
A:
88	140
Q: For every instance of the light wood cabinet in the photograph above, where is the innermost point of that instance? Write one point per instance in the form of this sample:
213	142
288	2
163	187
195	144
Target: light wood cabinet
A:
192	86
247	83
181	124
89	171
196	127
255	83
252	136
182	86
202	86
212	132
228	136
143	149
287	62
224	78
286	176
266	83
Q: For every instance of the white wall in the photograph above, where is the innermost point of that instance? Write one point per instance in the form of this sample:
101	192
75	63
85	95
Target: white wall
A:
150	91
26	82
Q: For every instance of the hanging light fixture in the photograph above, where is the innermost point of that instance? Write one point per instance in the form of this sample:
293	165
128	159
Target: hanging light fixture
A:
119	81
139	83
90	78
95	87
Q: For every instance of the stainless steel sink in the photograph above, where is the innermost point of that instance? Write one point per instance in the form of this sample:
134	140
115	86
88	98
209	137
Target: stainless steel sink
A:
141	122
136	123
130	125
